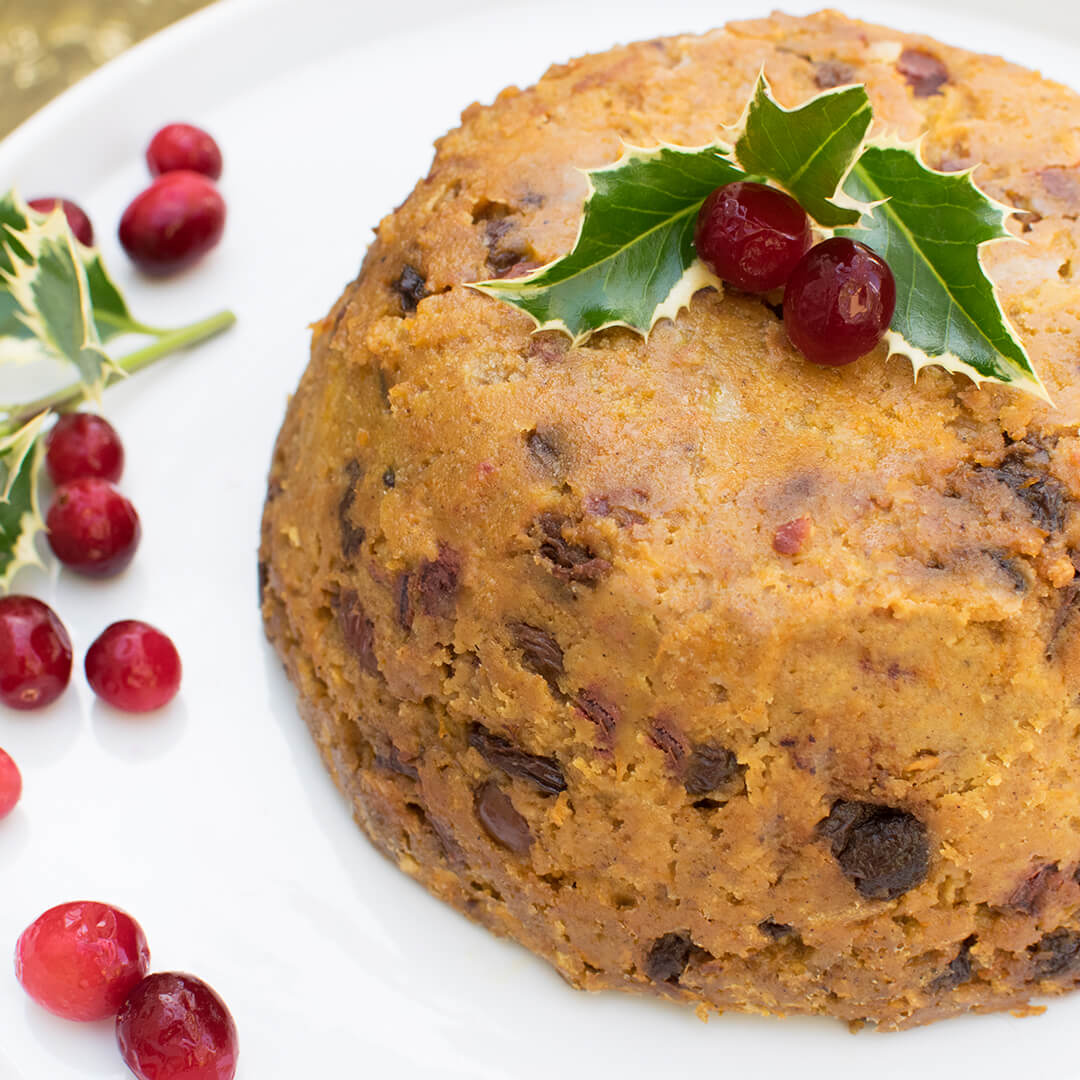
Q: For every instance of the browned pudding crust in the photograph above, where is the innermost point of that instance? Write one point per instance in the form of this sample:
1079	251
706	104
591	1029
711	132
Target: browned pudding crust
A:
695	668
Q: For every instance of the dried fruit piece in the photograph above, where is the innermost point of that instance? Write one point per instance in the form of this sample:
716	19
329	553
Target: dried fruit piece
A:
709	767
540	652
1045	497
500	819
924	72
668	956
569	562
775	931
883	851
411	288
602	712
437	583
357	630
1056	953
959	968
544	772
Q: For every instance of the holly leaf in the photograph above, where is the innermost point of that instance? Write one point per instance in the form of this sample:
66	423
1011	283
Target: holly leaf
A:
14	449
12	222
20	516
808	150
634	261
111	314
52	292
930	228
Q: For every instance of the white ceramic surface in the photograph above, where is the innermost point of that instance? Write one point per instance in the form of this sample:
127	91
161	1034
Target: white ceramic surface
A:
213	822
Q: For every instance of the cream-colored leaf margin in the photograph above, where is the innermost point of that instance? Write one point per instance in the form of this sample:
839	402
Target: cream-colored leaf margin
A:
20	282
25	552
695	277
15	447
898	345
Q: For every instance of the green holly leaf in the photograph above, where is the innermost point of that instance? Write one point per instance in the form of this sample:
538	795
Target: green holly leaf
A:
808	150
21	455
634	261
930	229
14	449
12	222
111	315
52	292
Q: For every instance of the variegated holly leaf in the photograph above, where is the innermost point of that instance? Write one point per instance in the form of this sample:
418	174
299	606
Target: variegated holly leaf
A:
634	260
51	290
112	316
12	222
930	228
20	516
808	150
14	449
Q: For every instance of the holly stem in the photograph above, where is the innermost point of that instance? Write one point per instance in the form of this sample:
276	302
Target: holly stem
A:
71	397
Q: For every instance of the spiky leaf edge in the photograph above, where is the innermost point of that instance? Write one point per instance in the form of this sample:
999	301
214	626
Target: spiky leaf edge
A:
49	243
695	276
1028	381
13	451
828	213
25	522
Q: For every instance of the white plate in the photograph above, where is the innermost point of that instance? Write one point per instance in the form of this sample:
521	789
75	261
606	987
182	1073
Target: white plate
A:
214	822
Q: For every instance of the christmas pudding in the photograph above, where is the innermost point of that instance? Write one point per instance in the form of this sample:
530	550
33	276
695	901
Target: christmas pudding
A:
697	668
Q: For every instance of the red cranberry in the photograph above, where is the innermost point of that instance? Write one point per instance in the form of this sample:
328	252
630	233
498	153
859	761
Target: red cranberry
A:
35	653
83	444
81	960
183	146
133	667
92	527
174	222
838	302
751	235
174	1027
77	220
10	784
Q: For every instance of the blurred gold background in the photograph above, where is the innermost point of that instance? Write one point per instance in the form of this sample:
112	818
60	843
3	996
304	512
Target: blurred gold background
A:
46	45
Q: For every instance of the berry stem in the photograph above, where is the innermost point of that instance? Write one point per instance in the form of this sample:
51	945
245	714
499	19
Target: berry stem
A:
73	395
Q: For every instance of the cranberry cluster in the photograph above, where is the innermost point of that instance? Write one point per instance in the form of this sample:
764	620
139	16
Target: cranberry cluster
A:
94	530
838	295
89	961
179	217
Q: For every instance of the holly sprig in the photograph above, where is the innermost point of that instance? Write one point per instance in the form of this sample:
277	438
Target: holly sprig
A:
58	303
634	262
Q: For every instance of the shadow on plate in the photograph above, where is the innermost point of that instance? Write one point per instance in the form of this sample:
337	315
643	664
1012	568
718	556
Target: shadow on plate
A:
138	736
